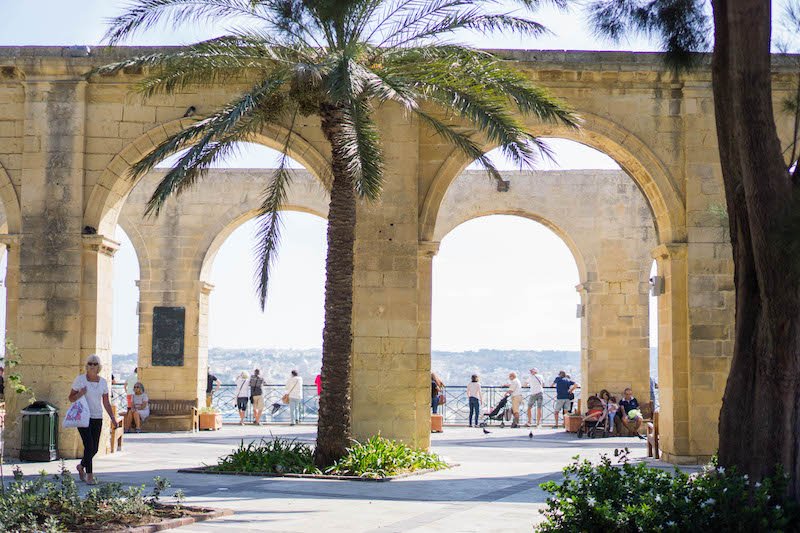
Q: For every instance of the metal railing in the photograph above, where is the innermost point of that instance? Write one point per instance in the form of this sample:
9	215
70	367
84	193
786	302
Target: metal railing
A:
455	410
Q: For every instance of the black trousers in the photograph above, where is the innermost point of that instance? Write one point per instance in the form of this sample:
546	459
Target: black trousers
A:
91	442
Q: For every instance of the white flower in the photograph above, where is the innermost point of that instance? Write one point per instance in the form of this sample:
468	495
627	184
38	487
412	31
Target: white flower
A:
591	501
670	523
721	469
658	498
758	484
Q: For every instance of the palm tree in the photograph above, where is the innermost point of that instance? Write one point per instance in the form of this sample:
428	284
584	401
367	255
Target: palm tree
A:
340	60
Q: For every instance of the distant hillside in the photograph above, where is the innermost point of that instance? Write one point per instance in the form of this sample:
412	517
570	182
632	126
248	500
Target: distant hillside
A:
455	368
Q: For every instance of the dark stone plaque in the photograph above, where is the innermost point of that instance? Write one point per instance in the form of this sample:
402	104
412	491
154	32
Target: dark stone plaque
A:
168	329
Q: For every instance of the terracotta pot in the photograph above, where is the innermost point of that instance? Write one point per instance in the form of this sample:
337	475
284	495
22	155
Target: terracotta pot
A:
572	423
210	421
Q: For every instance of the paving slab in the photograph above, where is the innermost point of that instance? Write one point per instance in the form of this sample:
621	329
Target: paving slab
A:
494	487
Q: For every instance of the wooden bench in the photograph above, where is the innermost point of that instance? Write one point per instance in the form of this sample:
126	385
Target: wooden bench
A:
647	417
652	437
174	415
117	434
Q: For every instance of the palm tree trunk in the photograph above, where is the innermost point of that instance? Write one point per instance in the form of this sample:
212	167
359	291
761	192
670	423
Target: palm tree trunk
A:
758	426
334	427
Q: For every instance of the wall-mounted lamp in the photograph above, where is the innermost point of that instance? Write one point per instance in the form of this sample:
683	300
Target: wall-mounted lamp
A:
656	285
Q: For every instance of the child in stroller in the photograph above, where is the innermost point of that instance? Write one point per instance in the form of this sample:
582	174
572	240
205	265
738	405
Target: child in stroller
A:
498	413
595	423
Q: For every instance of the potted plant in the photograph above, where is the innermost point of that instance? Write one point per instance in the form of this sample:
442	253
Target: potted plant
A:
210	419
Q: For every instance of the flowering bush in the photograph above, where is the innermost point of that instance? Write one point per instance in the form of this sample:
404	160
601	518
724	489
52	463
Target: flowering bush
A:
627	498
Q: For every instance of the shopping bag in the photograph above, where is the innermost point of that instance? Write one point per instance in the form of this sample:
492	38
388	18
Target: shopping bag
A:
78	414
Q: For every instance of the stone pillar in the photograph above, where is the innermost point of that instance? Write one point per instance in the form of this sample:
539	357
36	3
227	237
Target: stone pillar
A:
49	331
388	370
673	357
617	344
426	252
97	306
187	382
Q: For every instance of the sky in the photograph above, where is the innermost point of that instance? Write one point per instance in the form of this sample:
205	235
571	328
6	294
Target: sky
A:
499	282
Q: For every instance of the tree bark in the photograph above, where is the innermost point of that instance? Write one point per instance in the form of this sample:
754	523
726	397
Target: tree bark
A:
335	423
758	426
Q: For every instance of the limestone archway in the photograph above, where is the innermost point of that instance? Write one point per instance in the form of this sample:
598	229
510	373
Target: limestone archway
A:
179	248
604	220
633	156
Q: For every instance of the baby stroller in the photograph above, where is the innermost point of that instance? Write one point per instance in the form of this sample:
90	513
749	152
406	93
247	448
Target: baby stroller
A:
595	423
500	412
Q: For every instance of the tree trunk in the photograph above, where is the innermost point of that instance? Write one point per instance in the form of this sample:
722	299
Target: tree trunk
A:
334	427
758	426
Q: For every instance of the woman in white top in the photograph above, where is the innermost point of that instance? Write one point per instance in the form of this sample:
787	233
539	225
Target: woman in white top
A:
95	389
140	408
475	398
294	389
242	395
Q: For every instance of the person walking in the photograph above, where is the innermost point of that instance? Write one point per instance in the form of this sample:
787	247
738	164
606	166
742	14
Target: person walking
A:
257	395
515	392
94	389
475	398
212	385
437	388
564	387
242	395
536	383
140	408
294	390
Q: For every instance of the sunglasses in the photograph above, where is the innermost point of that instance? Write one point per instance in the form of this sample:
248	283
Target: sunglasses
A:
92	364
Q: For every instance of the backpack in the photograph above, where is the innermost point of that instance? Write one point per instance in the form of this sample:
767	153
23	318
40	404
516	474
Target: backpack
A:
255	386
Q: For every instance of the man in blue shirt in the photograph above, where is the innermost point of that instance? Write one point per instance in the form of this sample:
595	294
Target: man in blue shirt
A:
564	387
629	412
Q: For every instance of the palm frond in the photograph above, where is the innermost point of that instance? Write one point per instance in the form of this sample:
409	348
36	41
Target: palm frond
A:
364	154
210	140
143	15
269	221
462	142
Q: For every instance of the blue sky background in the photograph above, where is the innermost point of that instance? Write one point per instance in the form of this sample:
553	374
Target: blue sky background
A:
499	282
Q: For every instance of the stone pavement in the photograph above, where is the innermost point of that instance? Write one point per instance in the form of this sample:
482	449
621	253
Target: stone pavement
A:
495	486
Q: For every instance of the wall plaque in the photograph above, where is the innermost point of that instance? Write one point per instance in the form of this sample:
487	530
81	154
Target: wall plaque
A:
168	330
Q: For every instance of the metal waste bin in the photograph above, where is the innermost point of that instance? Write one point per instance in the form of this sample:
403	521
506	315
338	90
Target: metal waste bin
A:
39	432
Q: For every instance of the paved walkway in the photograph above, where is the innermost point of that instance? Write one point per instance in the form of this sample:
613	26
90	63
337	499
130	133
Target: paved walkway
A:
495	486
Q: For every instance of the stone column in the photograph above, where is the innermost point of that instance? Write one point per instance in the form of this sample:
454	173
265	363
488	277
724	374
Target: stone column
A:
426	252
388	371
97	306
673	358
617	352
186	382
49	331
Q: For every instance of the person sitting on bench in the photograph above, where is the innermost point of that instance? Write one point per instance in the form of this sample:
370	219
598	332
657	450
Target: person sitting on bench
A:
139	410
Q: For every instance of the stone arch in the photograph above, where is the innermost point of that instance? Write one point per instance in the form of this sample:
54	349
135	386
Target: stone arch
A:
139	246
583	263
213	240
633	156
10	203
112	188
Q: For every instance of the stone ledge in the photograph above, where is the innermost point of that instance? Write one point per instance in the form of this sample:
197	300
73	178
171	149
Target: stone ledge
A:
172	523
209	470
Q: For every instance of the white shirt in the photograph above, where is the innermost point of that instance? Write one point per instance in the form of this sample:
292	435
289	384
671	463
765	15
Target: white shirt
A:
515	387
294	388
94	394
138	401
474	390
242	387
537	384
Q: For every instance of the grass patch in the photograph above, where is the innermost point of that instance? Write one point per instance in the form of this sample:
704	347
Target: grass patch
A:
54	504
374	459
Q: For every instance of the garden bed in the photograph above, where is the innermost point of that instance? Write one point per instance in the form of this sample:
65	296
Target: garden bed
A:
213	470
166	517
377	459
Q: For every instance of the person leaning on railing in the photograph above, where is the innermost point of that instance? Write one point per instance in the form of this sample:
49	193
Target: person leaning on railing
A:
475	396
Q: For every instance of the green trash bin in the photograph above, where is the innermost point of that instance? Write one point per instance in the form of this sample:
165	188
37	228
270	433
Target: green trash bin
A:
39	432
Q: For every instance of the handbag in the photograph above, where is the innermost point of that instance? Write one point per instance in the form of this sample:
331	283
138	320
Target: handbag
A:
442	399
77	415
285	398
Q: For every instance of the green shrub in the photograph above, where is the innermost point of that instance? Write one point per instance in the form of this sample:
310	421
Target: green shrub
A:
55	504
277	456
628	498
380	457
